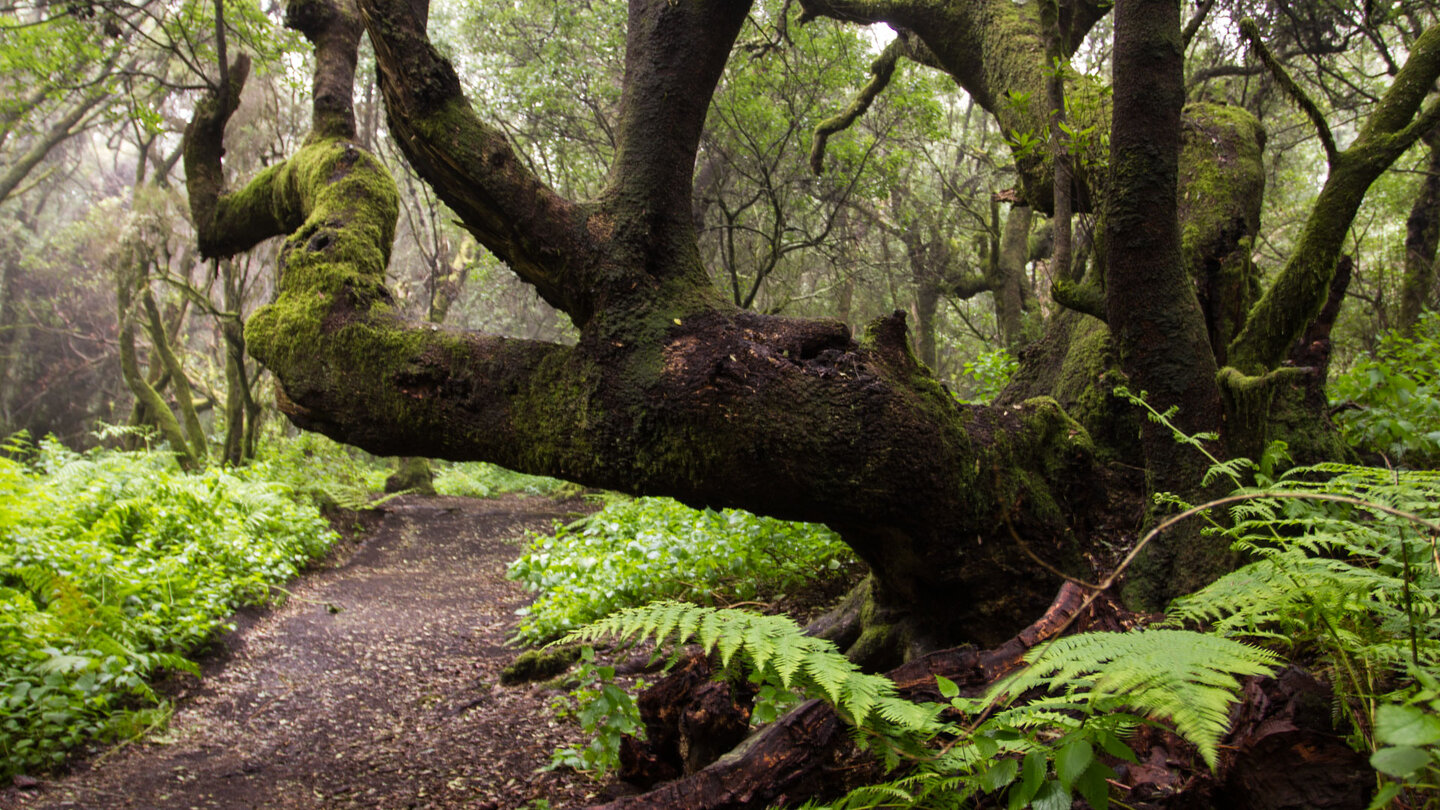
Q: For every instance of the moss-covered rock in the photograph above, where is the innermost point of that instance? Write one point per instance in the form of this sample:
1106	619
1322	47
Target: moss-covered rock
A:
538	665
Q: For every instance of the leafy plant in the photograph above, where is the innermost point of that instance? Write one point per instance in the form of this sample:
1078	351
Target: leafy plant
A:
1037	751
1189	680
481	480
1407	736
636	551
605	712
112	565
986	375
779	653
327	473
1391	400
1343	576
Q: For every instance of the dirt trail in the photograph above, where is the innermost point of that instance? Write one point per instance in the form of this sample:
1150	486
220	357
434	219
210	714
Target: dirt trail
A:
392	702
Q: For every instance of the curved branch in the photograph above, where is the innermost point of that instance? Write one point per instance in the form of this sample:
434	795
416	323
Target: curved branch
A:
1251	32
881	70
1302	286
472	167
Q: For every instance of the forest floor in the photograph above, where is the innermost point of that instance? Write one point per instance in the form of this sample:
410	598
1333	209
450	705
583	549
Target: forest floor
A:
375	685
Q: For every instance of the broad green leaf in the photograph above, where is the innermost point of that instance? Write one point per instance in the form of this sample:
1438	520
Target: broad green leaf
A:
1072	760
1406	725
1399	761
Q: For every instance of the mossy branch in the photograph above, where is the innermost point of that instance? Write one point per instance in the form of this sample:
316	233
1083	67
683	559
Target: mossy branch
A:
128	268
183	396
881	71
1193	27
1251	32
1302	286
1085	298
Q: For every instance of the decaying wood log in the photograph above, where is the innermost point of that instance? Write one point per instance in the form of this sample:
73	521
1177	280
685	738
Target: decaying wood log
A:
1286	752
690	721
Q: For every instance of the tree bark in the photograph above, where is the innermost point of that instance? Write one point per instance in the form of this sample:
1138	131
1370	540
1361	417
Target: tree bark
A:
1422	232
1010	284
1157	325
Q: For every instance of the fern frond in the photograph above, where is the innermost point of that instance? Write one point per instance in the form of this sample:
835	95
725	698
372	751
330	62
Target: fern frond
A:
774	646
1188	679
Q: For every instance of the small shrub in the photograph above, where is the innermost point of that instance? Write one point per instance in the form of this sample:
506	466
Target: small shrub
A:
637	551
1392	399
112	565
605	712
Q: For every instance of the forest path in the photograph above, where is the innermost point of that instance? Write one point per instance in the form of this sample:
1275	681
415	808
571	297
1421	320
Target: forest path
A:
391	702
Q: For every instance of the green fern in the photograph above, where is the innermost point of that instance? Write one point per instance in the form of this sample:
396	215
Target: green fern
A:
1186	679
776	650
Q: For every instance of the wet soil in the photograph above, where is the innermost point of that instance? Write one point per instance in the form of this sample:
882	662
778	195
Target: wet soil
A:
375	685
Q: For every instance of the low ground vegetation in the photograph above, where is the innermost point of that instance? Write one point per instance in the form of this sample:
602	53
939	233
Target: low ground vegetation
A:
113	567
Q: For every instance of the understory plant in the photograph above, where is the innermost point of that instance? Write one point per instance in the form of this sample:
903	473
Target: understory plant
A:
636	551
478	479
1081	696
1389	402
319	469
606	713
1345	577
113	565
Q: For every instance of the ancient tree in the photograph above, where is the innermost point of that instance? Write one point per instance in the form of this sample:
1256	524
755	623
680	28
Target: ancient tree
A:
673	390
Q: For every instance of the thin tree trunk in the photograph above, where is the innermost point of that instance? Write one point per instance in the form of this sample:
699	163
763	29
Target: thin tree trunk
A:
1157	325
1422	232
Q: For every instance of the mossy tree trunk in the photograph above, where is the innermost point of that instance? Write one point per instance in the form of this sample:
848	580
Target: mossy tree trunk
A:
1422	233
1157	325
1011	288
671	389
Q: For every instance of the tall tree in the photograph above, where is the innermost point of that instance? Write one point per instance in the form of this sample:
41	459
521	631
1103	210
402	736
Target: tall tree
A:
671	388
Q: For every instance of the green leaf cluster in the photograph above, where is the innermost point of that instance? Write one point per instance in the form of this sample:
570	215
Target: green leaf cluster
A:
777	652
636	551
112	566
478	479
1392	399
605	712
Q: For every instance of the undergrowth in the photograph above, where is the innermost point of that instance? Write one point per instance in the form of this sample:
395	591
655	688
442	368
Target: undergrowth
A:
636	551
477	479
320	470
113	565
1390	402
1084	694
1343	578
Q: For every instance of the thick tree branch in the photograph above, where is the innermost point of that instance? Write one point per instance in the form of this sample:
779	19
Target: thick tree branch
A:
1301	287
546	239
